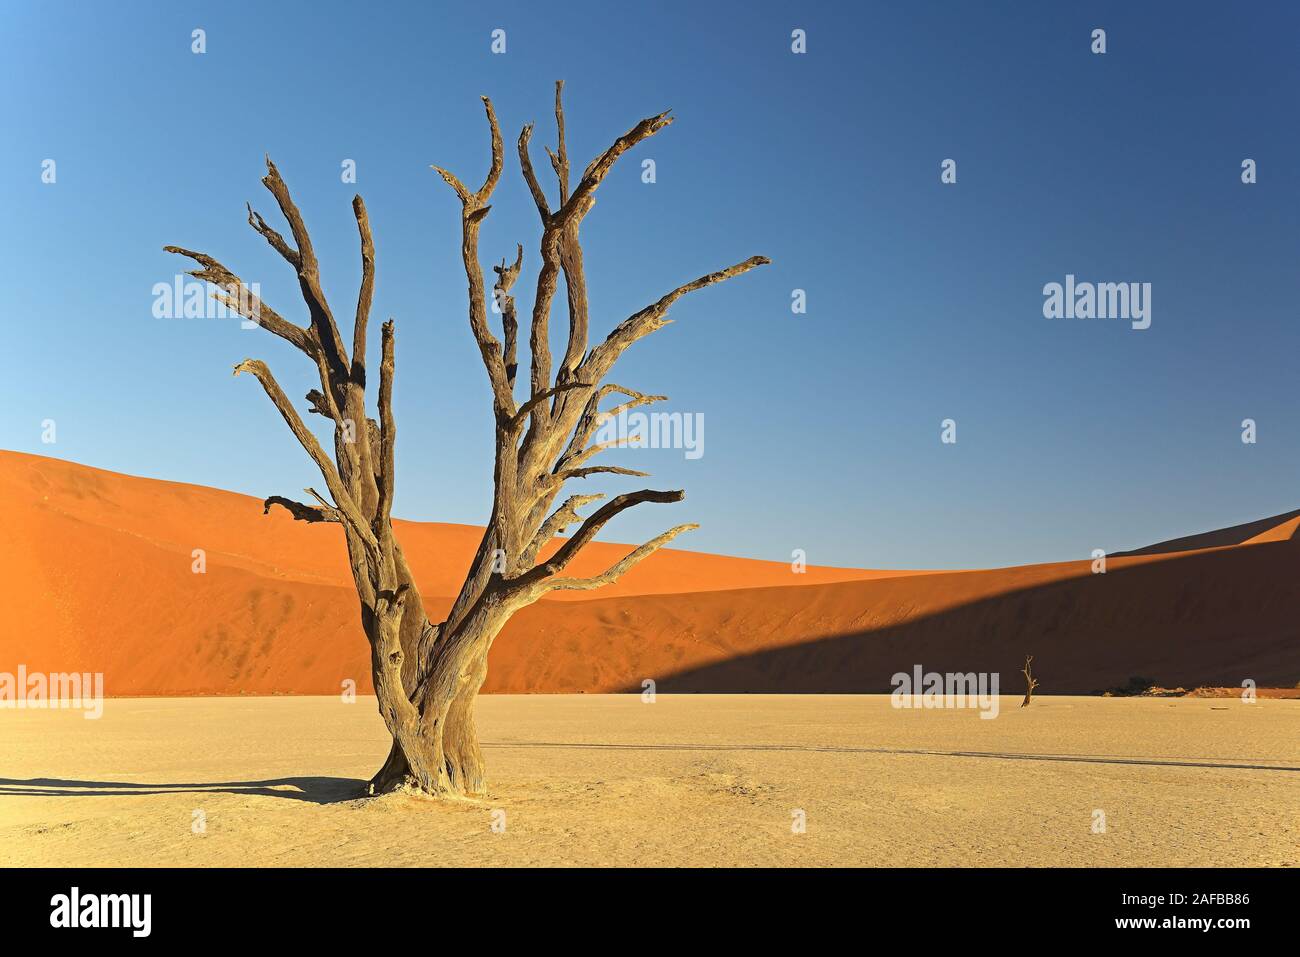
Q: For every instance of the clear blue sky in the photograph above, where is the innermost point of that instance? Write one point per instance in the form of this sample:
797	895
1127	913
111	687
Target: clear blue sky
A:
822	430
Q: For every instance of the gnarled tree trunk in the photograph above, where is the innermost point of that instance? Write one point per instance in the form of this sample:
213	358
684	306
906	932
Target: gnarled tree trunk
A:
426	676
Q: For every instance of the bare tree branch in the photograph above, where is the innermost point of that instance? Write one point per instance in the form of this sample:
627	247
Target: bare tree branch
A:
498	154
373	434
319	404
592	418
367	293
575	278
530	176
589	529
572	465
575	285
564	221
616	571
473	209
243	302
307	440
506	276
555	524
387	433
327	333
560	158
538	340
277	241
456	185
598	470
317	496
537	401
332	410
301	512
581	201
602	358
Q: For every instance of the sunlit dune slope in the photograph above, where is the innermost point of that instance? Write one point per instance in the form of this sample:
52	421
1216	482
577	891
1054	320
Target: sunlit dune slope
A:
96	576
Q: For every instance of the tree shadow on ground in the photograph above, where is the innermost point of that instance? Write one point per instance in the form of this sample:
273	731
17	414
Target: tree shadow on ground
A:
314	790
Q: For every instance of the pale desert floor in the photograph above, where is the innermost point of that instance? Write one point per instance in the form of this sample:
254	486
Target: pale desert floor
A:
687	780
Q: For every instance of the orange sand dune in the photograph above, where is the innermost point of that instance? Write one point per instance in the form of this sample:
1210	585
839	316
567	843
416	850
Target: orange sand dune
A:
177	518
96	576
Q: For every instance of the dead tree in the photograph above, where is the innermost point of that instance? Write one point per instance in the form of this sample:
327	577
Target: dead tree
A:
1030	681
426	675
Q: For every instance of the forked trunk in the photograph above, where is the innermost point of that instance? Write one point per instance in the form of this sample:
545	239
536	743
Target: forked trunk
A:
440	752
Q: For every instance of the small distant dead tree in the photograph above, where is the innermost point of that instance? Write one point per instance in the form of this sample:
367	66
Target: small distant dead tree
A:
427	675
1030	681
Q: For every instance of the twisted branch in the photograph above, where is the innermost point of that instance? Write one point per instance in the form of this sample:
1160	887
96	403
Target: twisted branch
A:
473	209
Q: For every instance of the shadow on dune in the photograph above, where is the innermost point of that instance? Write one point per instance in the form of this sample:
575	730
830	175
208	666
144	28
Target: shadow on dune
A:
1204	619
1234	535
315	790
